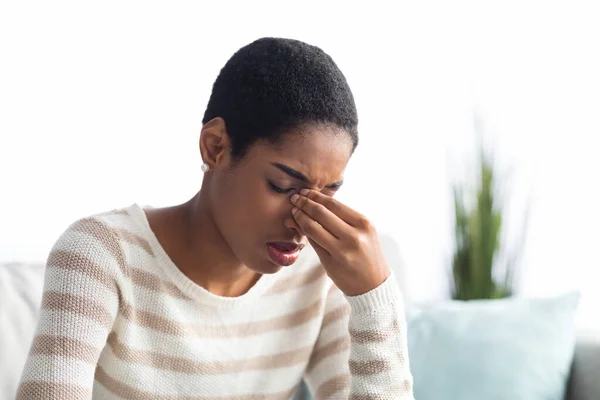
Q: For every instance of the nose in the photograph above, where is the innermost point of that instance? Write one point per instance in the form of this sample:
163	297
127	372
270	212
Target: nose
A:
291	223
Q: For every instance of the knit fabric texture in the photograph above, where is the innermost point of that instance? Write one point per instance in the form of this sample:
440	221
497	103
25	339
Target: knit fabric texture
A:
119	320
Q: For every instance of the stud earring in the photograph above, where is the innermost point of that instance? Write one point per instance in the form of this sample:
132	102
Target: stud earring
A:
204	167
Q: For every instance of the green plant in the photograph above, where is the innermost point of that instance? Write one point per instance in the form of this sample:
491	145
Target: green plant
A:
477	270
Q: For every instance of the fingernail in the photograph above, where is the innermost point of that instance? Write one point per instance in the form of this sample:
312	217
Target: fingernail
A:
294	210
304	192
294	198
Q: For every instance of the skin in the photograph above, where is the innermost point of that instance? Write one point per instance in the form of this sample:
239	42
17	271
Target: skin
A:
219	237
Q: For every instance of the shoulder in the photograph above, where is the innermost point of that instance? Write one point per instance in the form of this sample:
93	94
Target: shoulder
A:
94	239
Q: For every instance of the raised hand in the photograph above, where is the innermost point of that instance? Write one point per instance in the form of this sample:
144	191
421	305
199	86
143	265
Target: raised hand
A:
345	241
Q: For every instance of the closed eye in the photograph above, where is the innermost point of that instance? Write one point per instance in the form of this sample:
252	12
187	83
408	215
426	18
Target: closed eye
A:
279	190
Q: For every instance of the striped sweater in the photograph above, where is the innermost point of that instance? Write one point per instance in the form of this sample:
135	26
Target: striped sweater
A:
119	320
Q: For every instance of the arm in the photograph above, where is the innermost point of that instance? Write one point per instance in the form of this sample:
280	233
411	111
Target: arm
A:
361	352
348	247
79	306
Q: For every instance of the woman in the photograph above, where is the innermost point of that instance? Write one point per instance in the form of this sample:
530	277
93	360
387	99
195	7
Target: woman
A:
260	281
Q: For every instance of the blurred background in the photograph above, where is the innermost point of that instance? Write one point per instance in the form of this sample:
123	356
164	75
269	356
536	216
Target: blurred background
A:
101	106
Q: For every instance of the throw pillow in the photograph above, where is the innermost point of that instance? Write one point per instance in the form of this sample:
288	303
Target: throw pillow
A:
492	349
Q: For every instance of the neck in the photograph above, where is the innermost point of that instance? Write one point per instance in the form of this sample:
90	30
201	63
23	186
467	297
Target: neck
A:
202	253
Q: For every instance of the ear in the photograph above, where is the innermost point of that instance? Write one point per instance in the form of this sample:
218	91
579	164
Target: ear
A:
214	143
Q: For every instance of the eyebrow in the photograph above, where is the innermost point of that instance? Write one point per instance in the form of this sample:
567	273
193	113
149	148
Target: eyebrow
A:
301	177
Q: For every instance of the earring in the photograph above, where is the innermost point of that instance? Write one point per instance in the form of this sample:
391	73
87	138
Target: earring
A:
204	167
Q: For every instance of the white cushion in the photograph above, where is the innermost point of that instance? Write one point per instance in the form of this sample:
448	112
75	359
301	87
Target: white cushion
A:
20	295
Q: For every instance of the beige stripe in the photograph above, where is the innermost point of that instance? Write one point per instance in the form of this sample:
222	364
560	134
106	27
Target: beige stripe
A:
72	261
134	239
375	336
371	367
330	349
355	396
104	235
297	281
125	391
65	347
333	386
49	390
155	283
120	212
407	385
191	367
169	326
335	315
77	305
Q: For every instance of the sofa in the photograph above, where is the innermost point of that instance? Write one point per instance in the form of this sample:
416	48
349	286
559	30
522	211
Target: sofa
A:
20	295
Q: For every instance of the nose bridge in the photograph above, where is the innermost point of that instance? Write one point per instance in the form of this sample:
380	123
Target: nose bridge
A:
319	183
313	185
316	183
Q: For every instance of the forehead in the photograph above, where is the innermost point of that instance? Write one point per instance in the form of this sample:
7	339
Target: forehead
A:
320	153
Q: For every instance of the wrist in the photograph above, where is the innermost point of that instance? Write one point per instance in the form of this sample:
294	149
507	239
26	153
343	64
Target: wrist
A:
384	297
362	285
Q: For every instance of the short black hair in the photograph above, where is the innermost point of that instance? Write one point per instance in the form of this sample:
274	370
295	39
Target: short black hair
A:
273	85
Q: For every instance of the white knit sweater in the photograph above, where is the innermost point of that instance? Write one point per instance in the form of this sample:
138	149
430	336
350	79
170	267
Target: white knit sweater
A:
120	321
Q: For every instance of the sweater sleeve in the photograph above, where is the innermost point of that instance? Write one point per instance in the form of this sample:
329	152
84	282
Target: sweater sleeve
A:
80	302
362	350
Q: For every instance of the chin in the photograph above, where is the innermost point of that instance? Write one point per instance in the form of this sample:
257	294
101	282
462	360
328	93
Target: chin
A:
274	270
268	267
263	264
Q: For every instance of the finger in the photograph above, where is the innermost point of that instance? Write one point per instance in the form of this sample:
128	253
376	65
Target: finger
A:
321	251
313	230
318	212
347	214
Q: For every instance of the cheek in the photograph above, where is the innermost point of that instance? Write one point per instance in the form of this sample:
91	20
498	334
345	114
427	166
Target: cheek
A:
249	206
227	202
264	212
277	207
267	205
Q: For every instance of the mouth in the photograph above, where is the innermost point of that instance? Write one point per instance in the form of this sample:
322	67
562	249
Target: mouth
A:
284	253
286	246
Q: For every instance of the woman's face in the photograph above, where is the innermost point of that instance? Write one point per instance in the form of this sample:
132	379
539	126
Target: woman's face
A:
250	200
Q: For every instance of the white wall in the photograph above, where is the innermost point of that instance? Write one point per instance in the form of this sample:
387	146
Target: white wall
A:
101	106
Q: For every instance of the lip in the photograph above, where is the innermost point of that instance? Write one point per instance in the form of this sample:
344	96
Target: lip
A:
287	246
284	253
